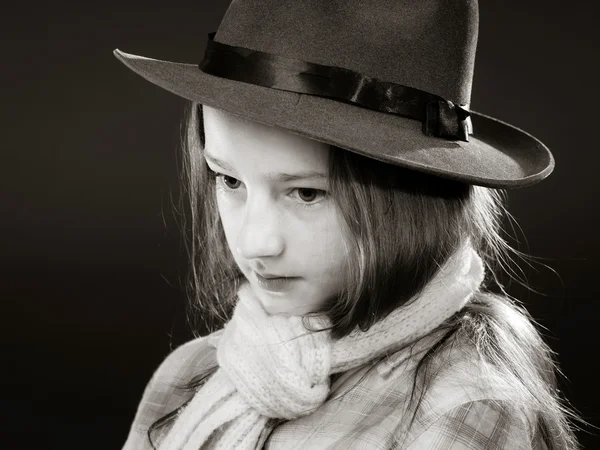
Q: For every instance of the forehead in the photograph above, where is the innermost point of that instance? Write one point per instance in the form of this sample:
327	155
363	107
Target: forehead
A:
238	140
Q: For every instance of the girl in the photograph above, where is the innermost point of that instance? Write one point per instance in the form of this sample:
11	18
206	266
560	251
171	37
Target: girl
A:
346	209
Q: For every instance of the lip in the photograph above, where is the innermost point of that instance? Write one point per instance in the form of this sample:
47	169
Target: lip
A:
273	283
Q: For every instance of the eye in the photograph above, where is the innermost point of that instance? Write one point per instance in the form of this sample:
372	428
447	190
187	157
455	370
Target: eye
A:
224	181
230	182
308	195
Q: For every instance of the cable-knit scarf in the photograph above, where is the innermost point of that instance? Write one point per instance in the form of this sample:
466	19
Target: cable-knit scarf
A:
272	367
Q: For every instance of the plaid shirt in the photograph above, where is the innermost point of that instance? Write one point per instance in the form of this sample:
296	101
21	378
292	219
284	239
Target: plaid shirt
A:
461	410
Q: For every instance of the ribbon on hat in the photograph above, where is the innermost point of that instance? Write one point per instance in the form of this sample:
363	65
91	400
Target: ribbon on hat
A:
440	117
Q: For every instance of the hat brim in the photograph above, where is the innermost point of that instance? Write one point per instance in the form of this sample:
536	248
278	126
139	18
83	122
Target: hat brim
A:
498	155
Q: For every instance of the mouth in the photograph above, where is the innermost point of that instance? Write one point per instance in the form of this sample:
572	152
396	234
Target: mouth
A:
276	284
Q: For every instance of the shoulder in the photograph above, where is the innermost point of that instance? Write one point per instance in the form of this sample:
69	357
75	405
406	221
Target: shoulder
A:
185	361
371	406
474	425
468	404
164	392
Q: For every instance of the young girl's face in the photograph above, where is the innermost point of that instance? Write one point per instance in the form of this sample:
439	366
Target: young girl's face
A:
281	225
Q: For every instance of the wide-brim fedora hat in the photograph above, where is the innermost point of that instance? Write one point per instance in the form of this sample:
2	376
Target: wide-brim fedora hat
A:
387	79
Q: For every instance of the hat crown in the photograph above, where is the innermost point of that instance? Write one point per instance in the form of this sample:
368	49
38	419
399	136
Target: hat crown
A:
425	44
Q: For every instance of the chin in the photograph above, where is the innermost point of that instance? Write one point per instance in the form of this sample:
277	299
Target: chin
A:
280	305
275	306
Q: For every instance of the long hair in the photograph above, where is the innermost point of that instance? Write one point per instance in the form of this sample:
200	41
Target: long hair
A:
401	227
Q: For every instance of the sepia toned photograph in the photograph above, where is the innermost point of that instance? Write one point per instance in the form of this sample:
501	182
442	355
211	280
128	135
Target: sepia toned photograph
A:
301	224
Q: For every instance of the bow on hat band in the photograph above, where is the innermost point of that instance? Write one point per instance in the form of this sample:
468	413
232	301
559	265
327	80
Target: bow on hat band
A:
440	117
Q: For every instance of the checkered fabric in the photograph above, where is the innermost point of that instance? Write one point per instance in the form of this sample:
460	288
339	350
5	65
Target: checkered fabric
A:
367	407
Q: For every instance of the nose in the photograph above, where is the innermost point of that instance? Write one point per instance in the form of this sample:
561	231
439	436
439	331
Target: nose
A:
260	234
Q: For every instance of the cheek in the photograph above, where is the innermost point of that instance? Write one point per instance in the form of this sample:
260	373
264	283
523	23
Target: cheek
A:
230	222
323	248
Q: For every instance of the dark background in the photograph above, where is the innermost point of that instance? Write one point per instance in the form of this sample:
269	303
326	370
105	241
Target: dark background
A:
90	254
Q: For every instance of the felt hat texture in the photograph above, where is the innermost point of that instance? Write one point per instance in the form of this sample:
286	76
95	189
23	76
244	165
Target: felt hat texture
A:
428	45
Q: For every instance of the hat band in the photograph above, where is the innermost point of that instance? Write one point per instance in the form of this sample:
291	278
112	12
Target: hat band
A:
440	117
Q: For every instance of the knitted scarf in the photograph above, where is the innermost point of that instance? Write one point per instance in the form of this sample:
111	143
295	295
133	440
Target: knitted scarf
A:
272	367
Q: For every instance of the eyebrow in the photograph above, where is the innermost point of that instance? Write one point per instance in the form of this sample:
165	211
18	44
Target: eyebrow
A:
283	177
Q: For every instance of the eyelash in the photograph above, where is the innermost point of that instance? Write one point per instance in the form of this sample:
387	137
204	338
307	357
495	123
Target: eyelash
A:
222	185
